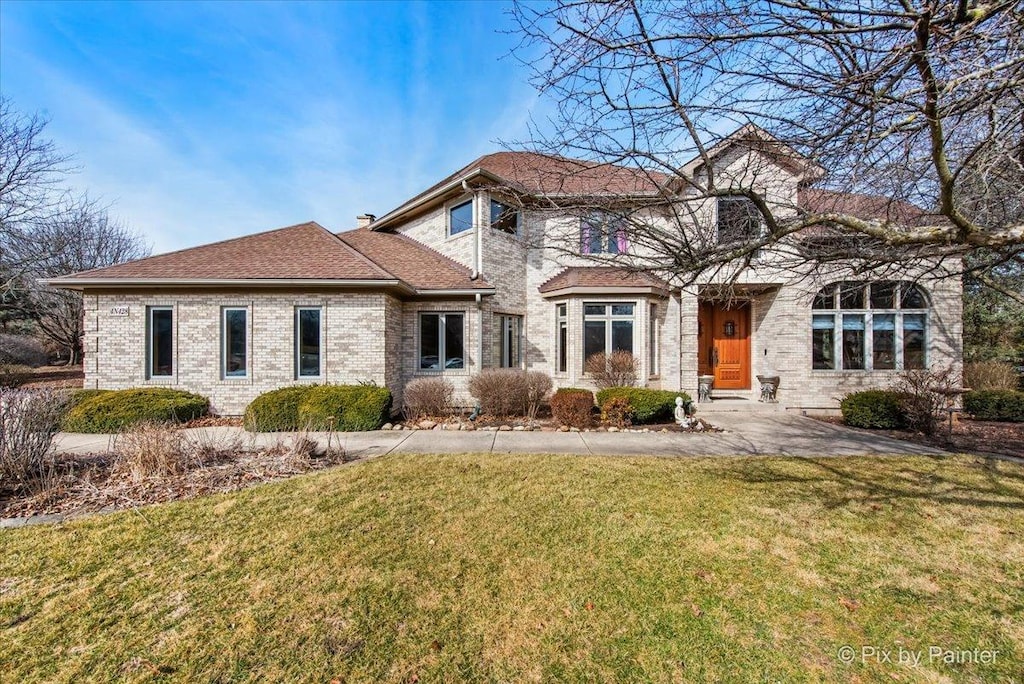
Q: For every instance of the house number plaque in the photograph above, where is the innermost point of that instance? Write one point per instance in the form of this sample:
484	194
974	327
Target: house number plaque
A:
119	311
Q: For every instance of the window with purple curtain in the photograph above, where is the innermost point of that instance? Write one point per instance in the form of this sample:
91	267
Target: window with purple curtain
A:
603	234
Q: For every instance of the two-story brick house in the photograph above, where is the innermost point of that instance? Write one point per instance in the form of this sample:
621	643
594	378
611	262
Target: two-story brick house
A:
484	270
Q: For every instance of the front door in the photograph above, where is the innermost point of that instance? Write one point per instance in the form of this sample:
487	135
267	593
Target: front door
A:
723	335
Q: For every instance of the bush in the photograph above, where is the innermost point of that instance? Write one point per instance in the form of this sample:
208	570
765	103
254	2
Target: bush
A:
276	410
151	450
648	405
509	392
14	374
427	397
29	419
76	397
925	395
874	409
1003	405
538	387
573	407
991	375
618	369
345	408
616	412
22	350
121	409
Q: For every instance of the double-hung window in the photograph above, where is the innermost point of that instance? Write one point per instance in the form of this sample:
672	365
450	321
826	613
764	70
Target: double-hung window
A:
607	328
308	342
160	342
510	332
442	341
869	326
234	342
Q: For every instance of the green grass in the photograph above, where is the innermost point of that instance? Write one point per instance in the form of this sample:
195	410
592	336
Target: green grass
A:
534	568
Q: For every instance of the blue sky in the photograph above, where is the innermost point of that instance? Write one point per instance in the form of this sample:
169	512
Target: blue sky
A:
204	121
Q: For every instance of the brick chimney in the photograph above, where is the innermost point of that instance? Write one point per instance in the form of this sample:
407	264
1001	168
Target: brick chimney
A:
364	220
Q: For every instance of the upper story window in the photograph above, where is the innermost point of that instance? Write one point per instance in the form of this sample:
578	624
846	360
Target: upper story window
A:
504	217
738	220
603	234
881	325
460	217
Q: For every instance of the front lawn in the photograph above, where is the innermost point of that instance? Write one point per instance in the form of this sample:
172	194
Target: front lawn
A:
540	568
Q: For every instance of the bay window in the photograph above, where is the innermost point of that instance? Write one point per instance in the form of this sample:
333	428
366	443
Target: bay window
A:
607	328
562	338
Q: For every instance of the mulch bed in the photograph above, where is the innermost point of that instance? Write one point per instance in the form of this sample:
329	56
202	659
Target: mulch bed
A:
93	483
969	436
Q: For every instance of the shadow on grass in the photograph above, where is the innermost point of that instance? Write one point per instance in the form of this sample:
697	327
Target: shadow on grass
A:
987	483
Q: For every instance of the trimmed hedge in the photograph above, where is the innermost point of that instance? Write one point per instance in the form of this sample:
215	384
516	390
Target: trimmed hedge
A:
573	406
276	410
77	396
113	411
312	407
874	409
354	408
1003	405
648	405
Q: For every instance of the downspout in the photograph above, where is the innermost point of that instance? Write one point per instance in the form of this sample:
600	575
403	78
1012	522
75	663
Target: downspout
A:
476	234
480	330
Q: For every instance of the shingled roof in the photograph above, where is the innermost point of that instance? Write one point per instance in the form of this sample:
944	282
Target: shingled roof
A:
602	277
306	251
414	263
866	207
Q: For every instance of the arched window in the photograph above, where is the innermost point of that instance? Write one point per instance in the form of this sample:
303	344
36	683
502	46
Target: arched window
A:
881	325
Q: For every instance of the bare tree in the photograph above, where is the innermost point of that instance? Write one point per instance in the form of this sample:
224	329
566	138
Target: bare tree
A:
916	103
78	237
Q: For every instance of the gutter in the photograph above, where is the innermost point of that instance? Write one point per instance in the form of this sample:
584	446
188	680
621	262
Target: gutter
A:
430	197
136	283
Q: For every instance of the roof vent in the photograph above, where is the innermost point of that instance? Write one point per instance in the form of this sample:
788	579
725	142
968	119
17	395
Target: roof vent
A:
363	220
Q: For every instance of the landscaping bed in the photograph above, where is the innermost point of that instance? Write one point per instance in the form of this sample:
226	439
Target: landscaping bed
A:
968	436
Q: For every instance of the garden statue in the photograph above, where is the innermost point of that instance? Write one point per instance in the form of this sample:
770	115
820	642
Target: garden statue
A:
683	412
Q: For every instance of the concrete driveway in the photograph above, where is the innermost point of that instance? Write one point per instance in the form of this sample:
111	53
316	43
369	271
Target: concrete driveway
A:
745	434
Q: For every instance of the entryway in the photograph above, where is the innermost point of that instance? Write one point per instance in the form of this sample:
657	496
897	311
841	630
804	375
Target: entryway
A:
723	339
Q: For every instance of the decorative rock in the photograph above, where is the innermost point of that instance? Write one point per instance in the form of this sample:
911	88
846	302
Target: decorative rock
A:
574	429
663	430
386	426
426	424
613	429
438	427
505	428
468	427
519	428
563	428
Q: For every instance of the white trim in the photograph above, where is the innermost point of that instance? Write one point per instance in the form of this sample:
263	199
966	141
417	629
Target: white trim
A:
603	291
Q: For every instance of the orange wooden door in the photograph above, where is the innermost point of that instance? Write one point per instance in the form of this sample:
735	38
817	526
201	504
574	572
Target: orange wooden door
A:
731	334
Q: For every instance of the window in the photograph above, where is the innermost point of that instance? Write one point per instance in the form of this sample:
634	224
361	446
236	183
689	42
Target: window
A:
739	220
308	357
160	345
603	234
460	217
883	326
562	340
504	217
607	328
510	330
442	341
653	338
235	343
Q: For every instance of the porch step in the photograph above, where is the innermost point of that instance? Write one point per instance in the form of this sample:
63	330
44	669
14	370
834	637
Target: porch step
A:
722	404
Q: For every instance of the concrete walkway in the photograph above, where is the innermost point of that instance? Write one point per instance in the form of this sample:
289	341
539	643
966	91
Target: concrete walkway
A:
774	433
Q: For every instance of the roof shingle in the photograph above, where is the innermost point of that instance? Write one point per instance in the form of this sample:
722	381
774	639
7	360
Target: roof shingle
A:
306	251
413	262
601	276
